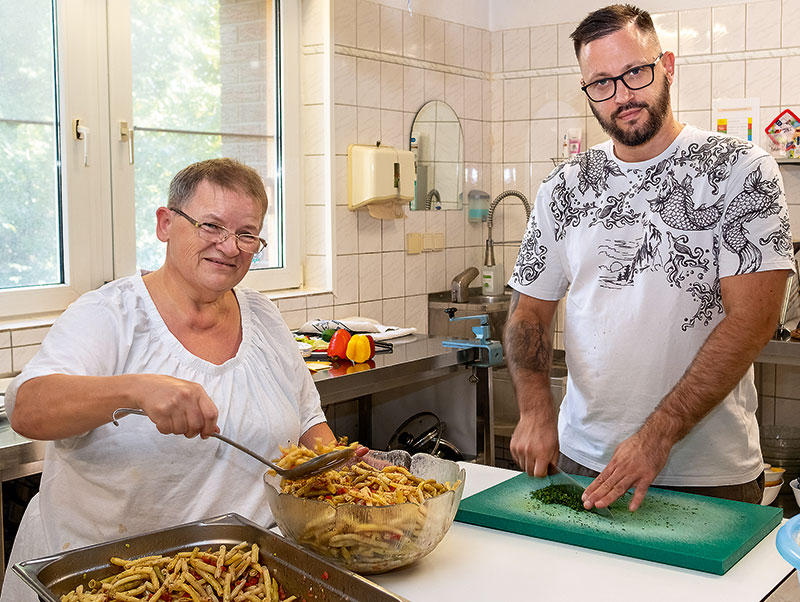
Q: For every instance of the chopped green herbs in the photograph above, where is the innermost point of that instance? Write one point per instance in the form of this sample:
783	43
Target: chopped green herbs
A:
560	494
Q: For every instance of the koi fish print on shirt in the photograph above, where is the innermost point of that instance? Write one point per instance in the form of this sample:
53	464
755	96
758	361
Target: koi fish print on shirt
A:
671	218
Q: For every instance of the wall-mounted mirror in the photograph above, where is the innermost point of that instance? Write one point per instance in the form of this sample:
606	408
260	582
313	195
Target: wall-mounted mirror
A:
438	143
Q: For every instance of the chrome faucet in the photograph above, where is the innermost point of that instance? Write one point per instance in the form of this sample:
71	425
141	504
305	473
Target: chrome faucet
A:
433	193
459	287
488	258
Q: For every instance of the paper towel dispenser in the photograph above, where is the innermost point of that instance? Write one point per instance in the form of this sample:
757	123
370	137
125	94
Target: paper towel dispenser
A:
380	178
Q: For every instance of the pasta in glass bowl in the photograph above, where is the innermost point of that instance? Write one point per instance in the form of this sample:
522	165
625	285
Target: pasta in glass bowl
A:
414	501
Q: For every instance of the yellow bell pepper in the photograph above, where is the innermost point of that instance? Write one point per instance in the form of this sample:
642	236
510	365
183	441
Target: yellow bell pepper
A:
360	348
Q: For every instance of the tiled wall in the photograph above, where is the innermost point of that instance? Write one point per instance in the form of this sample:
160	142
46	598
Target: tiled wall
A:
516	93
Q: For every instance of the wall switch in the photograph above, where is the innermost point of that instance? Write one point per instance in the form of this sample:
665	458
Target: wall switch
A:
413	243
427	241
438	241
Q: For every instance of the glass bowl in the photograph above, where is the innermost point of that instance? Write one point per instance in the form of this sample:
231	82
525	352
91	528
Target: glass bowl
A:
372	539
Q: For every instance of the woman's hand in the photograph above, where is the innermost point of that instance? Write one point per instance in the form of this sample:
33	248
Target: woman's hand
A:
176	406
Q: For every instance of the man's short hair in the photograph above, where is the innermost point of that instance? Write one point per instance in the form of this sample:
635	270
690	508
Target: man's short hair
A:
608	20
229	174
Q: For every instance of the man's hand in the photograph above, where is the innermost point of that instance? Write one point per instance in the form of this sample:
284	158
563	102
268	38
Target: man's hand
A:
636	463
534	444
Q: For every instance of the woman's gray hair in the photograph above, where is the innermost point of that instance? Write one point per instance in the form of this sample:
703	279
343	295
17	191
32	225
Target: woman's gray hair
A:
605	21
226	173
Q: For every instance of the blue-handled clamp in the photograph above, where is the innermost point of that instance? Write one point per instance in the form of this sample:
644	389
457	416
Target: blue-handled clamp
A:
491	352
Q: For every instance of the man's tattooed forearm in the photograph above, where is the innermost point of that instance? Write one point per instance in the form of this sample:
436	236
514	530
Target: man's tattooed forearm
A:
527	346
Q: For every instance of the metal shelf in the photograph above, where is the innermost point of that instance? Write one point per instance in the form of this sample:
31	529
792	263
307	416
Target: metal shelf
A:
787	161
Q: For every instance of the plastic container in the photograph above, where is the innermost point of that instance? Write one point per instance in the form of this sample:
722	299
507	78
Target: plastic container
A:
492	280
478	201
788	543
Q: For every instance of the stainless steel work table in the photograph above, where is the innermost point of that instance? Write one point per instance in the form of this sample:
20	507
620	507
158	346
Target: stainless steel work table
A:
413	359
780	352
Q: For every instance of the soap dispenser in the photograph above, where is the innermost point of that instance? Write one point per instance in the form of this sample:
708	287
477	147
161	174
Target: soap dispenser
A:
492	280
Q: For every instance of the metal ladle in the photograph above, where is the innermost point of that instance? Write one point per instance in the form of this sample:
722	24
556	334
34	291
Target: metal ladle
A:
312	467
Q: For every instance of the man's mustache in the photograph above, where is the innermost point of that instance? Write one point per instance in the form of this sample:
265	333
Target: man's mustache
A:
628	107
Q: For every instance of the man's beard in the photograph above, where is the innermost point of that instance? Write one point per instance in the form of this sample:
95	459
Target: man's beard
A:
643	132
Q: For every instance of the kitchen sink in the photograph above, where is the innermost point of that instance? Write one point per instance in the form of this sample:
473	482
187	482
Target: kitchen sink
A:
495	306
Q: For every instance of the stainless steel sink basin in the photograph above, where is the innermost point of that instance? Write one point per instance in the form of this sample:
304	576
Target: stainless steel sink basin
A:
489	299
474	299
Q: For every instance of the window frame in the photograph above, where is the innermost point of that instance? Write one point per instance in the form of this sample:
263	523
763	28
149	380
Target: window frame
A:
98	214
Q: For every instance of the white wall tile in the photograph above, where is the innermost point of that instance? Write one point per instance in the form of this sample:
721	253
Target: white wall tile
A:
787	412
454	92
370	276
516	176
486	50
473	48
391	30
764	24
473	141
344	17
434	85
544	139
594	133
369	233
516	141
368	29
694	36
317	271
454	228
728	28
473	98
516	99
391	89
312	67
666	25
413	89
454	44
317	301
434	40
694	91
313	22
345	310
413	35
369	125
699	119
544	47
496	46
790	24
417	313
394	269
316	229
346	231
727	79
544	97
566	50
516	49
394	312
5	339
345	130
393	234
372	310
571	99
29	336
790	81
340	179
346	283
539	171
454	263
291	304
313	126
415	273
368	83
5	361
497	99
393	130
436	278
22	355
345	79
763	80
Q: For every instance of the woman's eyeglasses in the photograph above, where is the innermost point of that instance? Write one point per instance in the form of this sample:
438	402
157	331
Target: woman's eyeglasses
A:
248	243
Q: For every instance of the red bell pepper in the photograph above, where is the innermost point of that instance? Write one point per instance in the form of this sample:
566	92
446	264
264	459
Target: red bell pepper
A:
337	347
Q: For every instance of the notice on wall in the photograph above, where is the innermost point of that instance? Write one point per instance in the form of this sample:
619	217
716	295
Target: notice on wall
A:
736	117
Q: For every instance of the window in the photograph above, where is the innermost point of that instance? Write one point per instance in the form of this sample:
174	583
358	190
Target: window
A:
157	85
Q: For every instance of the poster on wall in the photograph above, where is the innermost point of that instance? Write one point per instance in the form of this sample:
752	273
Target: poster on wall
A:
736	117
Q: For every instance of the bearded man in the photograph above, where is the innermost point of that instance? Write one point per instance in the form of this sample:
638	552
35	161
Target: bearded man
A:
672	246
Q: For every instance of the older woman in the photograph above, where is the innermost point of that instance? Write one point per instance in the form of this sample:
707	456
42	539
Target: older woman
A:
182	344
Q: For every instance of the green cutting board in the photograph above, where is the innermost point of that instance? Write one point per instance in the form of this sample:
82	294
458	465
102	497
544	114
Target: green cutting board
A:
681	529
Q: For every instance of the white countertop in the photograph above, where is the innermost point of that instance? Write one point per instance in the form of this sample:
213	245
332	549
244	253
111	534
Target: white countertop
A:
477	563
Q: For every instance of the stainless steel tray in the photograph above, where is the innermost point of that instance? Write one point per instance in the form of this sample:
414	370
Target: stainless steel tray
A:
298	570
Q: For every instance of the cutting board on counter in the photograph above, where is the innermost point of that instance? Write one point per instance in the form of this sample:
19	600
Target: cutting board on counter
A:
692	531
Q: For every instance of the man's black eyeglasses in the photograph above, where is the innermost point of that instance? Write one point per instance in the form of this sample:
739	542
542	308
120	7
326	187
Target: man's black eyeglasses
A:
634	79
249	243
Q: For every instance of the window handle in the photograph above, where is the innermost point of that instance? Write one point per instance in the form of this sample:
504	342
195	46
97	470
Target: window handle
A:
126	135
81	132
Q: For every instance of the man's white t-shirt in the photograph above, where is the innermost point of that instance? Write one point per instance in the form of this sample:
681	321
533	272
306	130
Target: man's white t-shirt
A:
641	247
115	482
